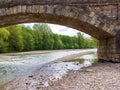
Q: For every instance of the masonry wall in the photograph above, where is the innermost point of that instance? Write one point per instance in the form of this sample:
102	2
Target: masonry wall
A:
108	50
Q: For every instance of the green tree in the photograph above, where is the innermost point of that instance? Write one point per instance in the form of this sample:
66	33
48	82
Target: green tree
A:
38	37
47	41
28	39
81	40
58	44
4	34
15	38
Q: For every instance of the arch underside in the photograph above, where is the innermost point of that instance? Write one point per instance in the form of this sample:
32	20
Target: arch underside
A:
75	17
54	19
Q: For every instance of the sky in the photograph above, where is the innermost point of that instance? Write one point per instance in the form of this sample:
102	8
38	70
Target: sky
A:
63	30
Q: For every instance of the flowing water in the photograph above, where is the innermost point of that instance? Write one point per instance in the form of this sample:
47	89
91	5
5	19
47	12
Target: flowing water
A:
17	65
55	71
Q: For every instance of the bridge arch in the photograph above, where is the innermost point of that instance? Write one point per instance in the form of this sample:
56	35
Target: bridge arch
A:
99	22
75	17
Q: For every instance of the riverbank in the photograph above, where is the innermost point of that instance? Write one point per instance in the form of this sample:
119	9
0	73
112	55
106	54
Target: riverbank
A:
99	76
40	52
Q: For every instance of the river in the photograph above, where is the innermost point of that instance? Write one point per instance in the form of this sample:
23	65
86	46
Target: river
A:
19	64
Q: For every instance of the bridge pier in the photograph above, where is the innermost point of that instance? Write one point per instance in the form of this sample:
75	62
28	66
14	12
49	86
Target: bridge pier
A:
109	49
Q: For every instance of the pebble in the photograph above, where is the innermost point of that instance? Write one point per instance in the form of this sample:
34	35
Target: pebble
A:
89	70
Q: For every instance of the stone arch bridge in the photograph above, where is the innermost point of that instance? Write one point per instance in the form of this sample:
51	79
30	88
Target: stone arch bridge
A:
98	18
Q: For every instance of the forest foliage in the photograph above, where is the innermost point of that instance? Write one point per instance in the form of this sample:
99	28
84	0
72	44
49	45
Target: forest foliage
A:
21	38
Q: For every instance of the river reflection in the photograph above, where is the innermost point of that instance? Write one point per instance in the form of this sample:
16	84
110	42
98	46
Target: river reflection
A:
12	67
86	59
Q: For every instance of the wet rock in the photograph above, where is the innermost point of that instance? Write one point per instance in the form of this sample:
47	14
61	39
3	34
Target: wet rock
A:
77	63
38	87
41	83
66	64
34	78
27	83
30	76
49	65
41	75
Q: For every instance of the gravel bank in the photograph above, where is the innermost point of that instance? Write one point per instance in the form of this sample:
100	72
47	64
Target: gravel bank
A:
99	76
